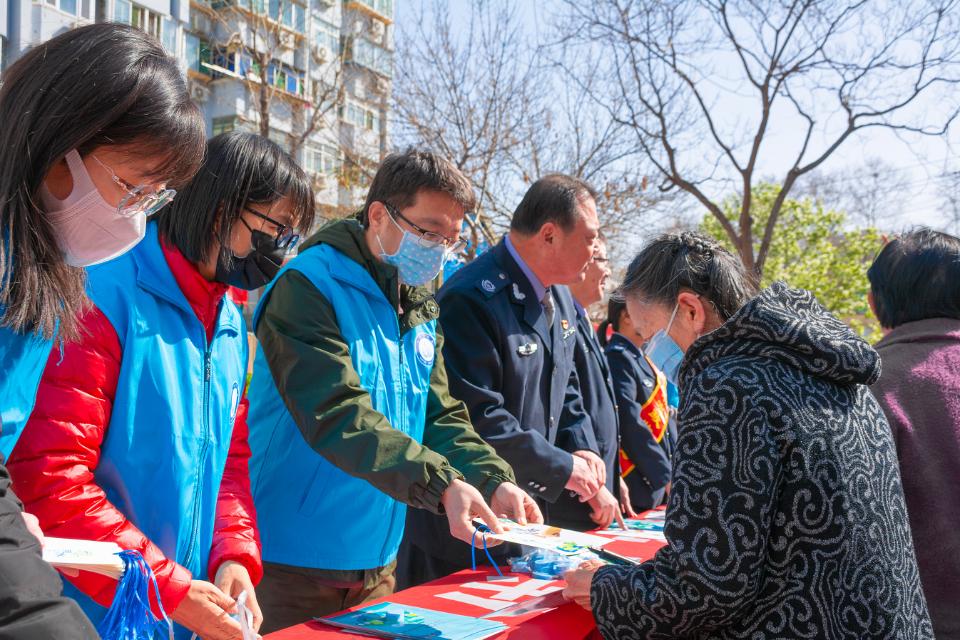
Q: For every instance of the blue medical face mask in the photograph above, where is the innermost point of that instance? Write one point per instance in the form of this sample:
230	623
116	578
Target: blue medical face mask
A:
418	261
664	352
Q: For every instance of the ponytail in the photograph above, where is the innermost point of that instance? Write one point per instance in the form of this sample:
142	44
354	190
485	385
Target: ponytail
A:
615	309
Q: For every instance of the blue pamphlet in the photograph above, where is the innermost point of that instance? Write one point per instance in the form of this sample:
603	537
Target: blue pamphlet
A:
389	620
639	524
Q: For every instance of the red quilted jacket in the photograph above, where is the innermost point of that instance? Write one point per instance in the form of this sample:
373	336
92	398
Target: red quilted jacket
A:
55	458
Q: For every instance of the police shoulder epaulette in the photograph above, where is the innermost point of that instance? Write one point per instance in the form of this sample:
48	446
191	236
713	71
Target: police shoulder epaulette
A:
490	286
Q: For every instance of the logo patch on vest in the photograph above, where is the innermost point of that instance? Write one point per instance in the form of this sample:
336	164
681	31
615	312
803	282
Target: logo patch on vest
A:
234	400
426	348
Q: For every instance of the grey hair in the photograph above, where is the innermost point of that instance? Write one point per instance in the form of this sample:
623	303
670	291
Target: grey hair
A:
690	261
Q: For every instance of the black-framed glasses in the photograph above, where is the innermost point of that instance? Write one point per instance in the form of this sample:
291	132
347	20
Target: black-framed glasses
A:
426	238
286	237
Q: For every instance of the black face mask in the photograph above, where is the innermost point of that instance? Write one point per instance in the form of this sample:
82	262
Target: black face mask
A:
255	269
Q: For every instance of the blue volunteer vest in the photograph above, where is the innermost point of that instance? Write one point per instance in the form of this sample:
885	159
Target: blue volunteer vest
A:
165	448
22	359
312	514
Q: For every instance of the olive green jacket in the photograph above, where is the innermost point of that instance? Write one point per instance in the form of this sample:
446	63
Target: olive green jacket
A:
311	366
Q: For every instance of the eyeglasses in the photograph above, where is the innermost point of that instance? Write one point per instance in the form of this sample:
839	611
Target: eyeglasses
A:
427	238
286	237
140	200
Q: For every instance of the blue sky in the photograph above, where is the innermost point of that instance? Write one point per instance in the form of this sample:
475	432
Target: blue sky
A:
922	160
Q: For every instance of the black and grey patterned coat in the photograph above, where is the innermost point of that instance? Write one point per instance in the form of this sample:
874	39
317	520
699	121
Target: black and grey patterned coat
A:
787	517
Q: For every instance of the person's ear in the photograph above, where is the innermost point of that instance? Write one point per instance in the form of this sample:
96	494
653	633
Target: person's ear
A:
693	312
376	213
548	234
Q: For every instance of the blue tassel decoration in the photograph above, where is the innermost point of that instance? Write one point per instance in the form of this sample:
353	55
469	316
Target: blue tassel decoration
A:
483	530
130	617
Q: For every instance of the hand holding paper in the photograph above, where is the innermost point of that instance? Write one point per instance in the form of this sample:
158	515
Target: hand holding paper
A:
205	611
462	504
33	526
509	501
234	579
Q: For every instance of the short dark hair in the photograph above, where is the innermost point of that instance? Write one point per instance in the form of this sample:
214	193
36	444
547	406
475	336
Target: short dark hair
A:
673	262
240	168
101	84
401	175
553	198
916	276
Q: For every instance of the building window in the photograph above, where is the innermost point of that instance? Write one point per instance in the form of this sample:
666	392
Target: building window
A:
3	53
170	33
383	7
197	52
79	8
225	124
372	56
285	78
281	139
326	35
121	11
360	117
144	19
322	159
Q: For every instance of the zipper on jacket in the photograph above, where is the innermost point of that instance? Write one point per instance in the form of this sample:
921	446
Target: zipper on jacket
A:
204	448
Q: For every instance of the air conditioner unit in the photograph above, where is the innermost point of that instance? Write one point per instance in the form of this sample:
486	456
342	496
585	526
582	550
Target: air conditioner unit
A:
380	86
287	40
321	54
198	92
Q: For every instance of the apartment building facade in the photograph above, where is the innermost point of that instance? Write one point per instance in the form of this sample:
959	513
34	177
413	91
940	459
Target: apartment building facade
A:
317	71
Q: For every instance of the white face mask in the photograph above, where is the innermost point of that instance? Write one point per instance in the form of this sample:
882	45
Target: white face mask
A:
90	230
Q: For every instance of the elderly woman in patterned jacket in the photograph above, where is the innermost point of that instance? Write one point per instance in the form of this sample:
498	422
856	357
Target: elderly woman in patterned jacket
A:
786	517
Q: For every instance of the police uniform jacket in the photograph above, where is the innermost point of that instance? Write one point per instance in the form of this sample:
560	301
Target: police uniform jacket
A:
517	377
599	402
634	379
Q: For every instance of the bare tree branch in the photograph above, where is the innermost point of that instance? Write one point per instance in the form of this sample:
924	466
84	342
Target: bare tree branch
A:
673	71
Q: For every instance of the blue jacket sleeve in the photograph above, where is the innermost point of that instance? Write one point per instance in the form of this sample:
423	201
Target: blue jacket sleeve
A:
471	351
635	437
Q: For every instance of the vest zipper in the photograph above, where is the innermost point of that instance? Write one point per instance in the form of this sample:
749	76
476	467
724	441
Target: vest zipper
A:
204	447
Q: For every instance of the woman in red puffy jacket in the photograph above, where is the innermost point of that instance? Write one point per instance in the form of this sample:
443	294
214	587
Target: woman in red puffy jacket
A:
139	435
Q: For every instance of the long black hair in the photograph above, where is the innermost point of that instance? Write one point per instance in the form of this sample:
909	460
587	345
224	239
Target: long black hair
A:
693	262
615	309
239	169
103	84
